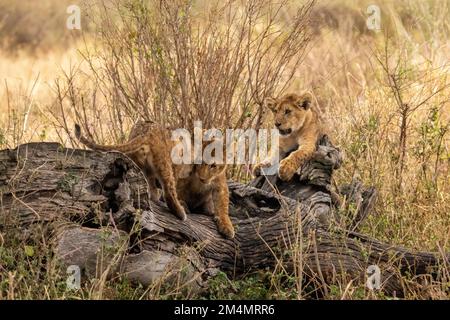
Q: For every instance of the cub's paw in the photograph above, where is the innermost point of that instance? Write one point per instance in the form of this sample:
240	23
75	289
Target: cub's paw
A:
181	213
257	169
225	227
185	207
286	170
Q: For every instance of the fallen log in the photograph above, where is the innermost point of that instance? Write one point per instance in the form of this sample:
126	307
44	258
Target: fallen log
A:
79	191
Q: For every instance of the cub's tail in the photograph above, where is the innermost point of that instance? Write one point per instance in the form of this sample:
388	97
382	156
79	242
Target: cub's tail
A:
130	146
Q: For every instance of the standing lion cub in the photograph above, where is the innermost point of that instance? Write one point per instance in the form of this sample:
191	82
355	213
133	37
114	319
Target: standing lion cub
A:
151	152
299	128
202	187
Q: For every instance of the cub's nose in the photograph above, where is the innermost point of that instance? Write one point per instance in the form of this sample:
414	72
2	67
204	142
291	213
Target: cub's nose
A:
277	124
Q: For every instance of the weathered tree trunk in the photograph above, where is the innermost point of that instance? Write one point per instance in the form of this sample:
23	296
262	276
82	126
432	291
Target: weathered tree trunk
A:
76	191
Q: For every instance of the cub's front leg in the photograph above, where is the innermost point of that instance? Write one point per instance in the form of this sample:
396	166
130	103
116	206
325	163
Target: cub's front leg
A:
265	164
290	165
258	168
220	199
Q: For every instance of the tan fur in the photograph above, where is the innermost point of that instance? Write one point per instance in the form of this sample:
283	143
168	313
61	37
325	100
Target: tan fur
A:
140	128
200	187
206	190
151	152
299	128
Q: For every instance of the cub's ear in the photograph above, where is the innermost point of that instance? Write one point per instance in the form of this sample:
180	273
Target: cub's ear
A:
304	100
270	103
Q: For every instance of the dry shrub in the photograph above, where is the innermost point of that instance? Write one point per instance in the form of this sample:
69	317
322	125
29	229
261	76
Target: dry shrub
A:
173	64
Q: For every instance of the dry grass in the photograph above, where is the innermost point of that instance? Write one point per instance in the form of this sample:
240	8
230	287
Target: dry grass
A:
395	135
34	29
26	93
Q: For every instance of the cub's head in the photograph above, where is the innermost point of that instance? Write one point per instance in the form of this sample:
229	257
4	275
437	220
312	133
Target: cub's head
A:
208	172
211	167
290	111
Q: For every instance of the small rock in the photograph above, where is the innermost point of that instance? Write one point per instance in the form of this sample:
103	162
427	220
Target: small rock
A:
94	251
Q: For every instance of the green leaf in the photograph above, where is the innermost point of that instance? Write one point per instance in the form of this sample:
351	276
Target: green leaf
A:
29	251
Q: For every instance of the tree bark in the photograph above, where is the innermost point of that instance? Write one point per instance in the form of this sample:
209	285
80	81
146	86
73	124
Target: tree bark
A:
294	224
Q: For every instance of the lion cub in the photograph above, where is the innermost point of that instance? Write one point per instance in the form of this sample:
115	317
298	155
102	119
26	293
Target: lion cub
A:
203	189
151	152
299	128
206	190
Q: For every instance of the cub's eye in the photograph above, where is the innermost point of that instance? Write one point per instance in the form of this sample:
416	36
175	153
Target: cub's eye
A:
287	111
213	165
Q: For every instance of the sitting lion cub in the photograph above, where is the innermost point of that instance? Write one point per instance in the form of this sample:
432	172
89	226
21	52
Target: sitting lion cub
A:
205	190
299	128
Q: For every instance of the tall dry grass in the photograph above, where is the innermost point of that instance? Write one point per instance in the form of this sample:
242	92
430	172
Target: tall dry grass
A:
386	97
34	28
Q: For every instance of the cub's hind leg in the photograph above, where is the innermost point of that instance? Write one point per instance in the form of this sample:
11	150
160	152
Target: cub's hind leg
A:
155	194
143	159
164	172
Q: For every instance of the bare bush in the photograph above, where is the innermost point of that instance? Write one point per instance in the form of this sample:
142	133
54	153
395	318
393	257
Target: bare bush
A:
412	86
168	63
